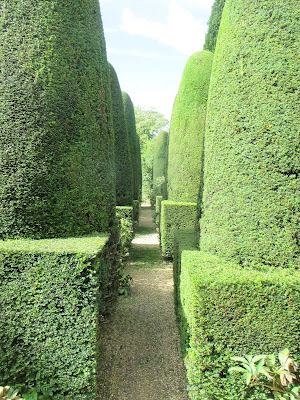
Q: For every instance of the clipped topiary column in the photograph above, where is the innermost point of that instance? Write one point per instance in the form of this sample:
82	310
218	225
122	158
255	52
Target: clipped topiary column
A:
124	184
214	25
160	165
57	159
251	183
187	129
134	145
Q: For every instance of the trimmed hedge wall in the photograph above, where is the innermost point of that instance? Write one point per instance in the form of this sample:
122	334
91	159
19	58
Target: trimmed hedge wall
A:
232	311
252	164
183	240
57	160
52	294
175	216
124	184
158	201
214	25
187	129
160	165
134	145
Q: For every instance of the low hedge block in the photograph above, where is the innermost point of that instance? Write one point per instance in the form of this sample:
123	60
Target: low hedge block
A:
183	240
136	210
53	292
232	311
158	201
175	216
125	216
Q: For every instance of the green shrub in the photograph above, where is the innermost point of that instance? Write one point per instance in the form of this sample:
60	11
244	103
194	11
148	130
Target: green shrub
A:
214	25
122	153
251	181
183	240
57	160
160	165
232	311
134	145
158	201
125	216
175	216
136	210
53	292
187	129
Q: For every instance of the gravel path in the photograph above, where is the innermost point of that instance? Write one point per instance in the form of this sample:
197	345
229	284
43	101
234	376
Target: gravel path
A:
141	343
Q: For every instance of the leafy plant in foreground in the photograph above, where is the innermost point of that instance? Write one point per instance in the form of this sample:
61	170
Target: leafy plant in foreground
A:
261	370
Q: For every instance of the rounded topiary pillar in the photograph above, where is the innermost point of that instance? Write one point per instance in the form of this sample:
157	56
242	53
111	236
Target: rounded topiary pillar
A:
160	165
57	160
187	129
134	145
214	25
122	152
251	182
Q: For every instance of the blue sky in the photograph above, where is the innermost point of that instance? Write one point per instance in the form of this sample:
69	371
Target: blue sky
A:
149	43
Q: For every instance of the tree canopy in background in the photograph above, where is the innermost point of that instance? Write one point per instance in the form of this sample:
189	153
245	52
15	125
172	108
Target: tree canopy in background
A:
148	124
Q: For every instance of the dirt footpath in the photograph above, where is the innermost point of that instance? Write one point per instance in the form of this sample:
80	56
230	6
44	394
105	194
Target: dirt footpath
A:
141	342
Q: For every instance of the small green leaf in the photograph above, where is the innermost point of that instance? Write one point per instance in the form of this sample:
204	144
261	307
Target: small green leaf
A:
248	378
259	357
237	369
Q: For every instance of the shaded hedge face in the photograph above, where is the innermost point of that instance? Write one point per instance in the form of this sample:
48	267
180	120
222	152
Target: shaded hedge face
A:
122	152
187	129
160	165
251	183
134	145
56	169
214	25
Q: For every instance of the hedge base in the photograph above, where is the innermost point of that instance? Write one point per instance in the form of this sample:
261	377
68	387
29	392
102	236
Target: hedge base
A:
233	311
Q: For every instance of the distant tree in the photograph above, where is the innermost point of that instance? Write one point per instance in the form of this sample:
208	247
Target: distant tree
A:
213	25
148	124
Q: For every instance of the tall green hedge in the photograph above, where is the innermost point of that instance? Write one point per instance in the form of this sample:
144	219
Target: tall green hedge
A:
124	179
53	292
214	25
187	129
160	165
233	311
57	160
251	185
134	145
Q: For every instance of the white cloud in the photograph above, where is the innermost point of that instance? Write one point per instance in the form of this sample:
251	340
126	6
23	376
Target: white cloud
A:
181	30
134	53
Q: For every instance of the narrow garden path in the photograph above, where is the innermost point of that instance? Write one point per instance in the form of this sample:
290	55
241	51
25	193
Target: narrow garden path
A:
141	344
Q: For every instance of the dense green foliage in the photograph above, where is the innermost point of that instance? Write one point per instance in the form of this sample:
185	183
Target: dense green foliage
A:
158	201
175	216
136	210
160	165
183	240
52	294
187	129
124	184
133	145
232	311
251	185
126	218
148	124
214	25
57	160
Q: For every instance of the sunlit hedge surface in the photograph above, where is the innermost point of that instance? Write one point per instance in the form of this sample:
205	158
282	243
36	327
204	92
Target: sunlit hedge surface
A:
56	139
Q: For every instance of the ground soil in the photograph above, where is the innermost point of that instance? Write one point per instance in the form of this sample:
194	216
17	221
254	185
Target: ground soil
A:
140	340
